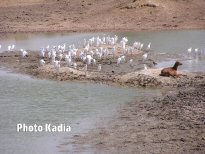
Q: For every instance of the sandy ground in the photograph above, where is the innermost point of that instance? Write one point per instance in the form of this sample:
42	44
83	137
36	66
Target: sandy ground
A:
172	123
96	15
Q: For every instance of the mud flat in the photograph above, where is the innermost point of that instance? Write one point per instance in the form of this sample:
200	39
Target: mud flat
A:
172	123
123	74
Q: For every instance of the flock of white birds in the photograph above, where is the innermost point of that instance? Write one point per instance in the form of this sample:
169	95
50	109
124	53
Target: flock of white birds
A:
195	53
95	49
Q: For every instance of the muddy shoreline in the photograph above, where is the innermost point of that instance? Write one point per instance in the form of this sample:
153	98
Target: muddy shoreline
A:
173	123
155	29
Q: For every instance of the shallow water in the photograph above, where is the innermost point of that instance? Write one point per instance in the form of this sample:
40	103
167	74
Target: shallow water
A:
191	65
33	101
162	41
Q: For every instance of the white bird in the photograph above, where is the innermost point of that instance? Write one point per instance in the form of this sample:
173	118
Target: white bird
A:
93	61
57	65
131	62
23	53
75	65
144	56
112	41
99	54
49	54
196	52
47	48
12	47
9	48
149	46
116	38
189	50
68	60
123	45
42	53
99	67
124	39
89	58
0	46
103	39
53	57
130	50
42	62
145	67
141	46
98	42
135	45
119	61
123	59
84	58
92	53
87	48
58	47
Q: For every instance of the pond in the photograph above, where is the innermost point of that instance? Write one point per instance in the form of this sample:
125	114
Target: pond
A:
33	101
162	41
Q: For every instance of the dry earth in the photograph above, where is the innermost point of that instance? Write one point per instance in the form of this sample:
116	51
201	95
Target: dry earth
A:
100	15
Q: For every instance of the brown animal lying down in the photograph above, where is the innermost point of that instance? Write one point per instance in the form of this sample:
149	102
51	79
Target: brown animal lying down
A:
171	71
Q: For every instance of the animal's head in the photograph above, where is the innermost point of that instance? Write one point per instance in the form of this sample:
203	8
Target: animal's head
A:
178	63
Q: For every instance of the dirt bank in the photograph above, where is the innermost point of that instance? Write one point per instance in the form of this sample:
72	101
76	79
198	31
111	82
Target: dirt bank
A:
96	15
171	124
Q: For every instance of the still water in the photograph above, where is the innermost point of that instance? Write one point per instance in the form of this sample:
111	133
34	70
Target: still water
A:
33	101
162	41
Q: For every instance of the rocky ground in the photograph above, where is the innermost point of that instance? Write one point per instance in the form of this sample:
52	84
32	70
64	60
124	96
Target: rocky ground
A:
96	15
